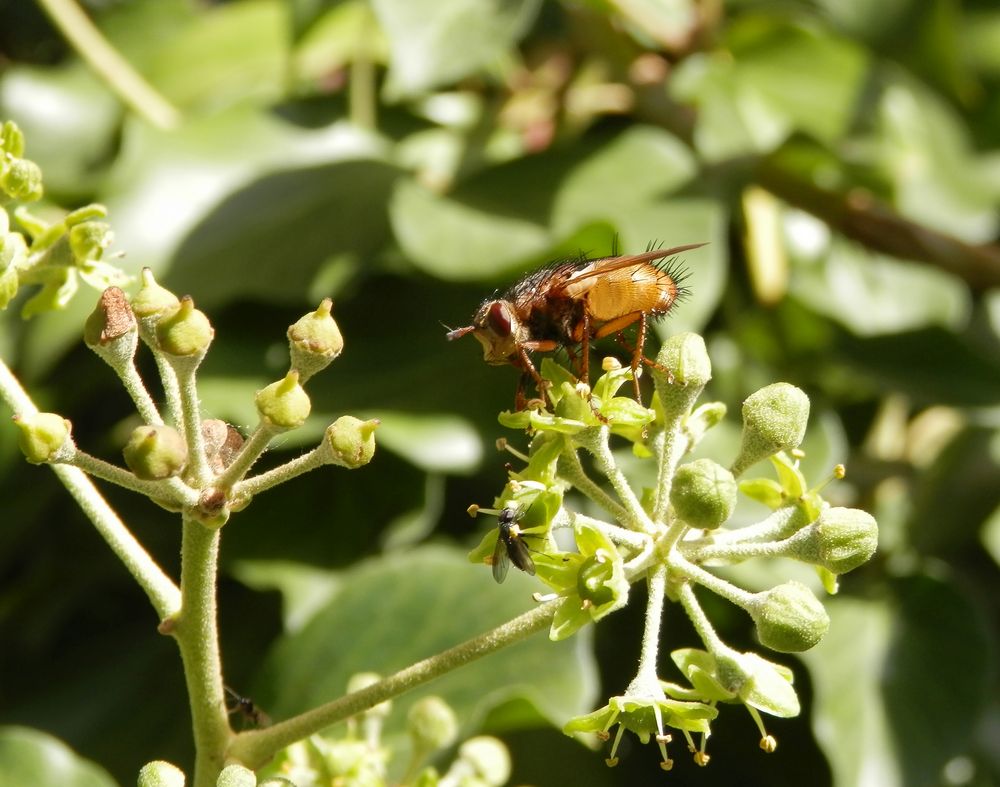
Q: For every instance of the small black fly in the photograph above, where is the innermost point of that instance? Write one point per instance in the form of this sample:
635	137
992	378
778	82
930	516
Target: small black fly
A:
510	546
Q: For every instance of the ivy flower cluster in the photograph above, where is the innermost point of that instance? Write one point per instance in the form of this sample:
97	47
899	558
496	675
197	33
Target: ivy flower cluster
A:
672	533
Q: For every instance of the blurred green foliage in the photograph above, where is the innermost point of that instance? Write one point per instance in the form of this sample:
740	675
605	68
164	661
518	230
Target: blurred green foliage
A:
842	157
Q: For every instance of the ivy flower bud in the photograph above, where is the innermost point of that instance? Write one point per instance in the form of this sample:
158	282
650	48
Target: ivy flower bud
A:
314	341
284	404
185	331
160	774
682	370
789	618
13	254
432	724
488	759
154	452
236	775
840	540
89	239
350	441
111	330
152	300
45	437
774	419
22	180
703	494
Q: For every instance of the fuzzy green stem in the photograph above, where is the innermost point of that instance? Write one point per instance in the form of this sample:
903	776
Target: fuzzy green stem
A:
198	471
597	445
699	619
657	586
720	587
136	388
736	553
171	388
250	452
95	50
779	524
571	469
172	490
255	747
279	475
196	632
163	593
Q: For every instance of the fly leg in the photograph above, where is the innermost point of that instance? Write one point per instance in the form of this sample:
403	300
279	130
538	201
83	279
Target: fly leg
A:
528	370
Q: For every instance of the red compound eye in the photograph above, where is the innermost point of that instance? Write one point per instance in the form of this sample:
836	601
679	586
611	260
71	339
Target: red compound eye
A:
498	319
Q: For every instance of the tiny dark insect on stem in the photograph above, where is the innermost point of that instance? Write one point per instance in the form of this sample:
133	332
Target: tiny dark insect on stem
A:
510	546
248	710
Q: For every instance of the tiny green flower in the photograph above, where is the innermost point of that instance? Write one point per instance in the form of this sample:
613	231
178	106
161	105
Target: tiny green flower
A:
840	540
350	442
236	776
184	331
591	581
283	404
482	760
789	617
22	180
645	711
314	341
160	774
432	724
45	437
153	301
774	419
703	494
154	452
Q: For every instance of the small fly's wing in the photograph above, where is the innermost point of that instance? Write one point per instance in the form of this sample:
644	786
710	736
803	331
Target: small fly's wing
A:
519	555
501	563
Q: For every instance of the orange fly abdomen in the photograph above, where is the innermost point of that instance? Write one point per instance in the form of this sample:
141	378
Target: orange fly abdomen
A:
639	288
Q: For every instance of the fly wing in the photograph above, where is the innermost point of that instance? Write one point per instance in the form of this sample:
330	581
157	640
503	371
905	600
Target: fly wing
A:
608	265
501	563
520	555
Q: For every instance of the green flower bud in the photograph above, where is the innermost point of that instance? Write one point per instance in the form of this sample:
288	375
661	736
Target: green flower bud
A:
488	759
160	774
45	437
284	404
682	370
11	139
184	331
594	580
432	724
351	441
840	540
22	180
8	285
154	451
703	494
314	341
789	618
88	240
111	330
236	776
152	300
774	419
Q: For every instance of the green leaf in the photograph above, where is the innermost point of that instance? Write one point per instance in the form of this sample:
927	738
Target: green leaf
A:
30	757
453	238
901	683
230	52
436	443
393	611
436	42
777	77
